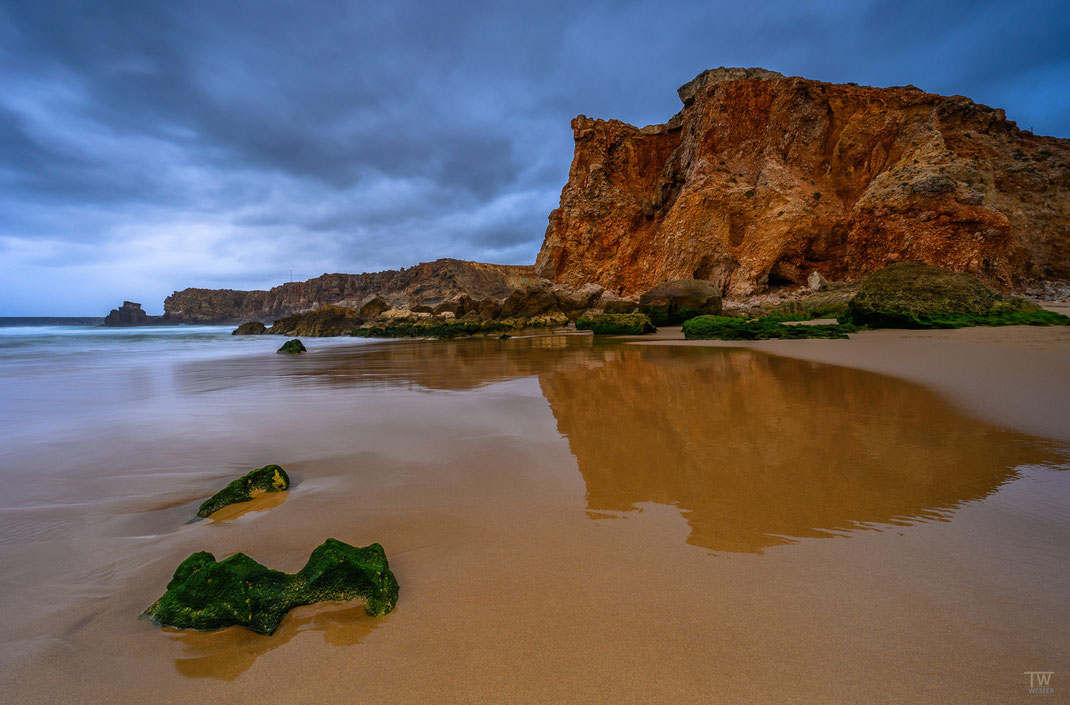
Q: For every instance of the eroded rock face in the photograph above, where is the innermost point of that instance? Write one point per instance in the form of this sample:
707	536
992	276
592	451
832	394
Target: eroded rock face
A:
762	179
428	283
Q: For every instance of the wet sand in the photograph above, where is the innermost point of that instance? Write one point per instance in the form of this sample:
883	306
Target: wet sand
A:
1016	376
569	521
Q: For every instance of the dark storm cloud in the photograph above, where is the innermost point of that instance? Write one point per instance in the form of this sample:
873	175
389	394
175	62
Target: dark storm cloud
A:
149	145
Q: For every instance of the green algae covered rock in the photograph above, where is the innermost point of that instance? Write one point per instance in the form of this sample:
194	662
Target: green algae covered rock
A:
917	295
768	327
270	478
617	324
207	594
293	347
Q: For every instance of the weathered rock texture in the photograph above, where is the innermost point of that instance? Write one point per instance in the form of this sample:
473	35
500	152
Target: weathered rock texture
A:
762	179
428	283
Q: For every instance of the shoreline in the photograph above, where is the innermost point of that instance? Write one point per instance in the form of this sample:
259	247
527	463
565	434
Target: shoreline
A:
1017	377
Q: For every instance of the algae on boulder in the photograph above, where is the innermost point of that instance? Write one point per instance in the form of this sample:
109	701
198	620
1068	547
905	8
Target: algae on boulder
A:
617	324
270	478
207	594
673	302
917	295
293	347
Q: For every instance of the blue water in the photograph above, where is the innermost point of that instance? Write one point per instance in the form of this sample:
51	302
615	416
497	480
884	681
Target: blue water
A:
62	345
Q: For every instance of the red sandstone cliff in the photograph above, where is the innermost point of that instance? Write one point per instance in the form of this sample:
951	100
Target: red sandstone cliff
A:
762	178
427	283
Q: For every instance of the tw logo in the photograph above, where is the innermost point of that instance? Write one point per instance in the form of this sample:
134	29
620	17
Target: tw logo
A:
1040	682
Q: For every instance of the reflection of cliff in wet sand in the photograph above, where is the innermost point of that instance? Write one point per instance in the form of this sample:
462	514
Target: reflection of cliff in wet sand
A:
452	364
757	450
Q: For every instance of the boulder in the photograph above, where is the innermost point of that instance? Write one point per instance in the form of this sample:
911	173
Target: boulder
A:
489	310
292	347
530	300
250	328
270	478
373	307
422	308
453	308
617	324
673	302
917	295
323	322
550	319
207	594
609	303
816	282
572	301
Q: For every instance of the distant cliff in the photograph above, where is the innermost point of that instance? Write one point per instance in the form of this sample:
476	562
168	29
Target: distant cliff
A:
428	283
762	178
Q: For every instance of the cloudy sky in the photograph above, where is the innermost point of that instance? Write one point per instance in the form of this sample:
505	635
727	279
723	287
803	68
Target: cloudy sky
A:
149	146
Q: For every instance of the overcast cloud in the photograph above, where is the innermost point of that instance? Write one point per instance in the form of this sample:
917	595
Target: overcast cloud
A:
149	146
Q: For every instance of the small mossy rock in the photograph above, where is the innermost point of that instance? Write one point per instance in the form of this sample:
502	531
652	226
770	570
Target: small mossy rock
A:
617	324
673	302
206	594
918	295
250	328
270	478
293	347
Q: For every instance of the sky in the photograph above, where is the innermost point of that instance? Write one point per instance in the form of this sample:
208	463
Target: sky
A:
150	146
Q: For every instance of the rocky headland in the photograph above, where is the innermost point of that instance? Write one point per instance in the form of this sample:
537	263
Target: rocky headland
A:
761	179
763	188
427	283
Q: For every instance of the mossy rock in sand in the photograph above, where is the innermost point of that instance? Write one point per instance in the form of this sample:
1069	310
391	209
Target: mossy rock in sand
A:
206	594
617	324
917	295
766	328
293	347
270	478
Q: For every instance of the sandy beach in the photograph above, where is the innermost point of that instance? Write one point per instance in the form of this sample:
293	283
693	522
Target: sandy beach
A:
570	520
1016	376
